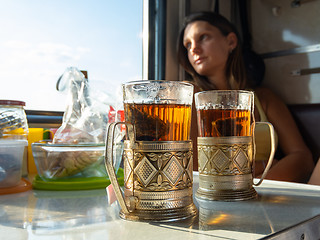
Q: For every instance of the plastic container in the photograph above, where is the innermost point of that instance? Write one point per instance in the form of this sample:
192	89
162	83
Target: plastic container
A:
57	161
12	153
13	120
72	166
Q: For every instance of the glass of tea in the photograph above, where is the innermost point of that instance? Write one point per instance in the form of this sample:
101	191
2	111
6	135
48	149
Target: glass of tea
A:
224	113
157	152
158	110
226	145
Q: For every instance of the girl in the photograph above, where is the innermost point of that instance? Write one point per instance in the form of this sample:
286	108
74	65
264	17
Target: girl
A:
210	51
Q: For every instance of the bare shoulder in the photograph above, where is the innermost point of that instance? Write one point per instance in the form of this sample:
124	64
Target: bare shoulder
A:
265	93
269	99
277	112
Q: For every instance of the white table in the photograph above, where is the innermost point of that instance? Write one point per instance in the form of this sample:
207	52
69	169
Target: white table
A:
88	215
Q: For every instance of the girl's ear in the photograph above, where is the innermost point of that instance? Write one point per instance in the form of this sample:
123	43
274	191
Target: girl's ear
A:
232	41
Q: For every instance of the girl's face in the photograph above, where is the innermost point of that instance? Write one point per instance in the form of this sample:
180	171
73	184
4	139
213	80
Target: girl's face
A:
208	49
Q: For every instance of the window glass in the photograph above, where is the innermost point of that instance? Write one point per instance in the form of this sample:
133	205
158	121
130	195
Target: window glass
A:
40	39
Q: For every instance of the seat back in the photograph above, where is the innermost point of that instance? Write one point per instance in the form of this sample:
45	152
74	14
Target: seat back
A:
307	117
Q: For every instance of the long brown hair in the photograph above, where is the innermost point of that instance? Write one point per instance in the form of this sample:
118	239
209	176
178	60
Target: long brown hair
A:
235	71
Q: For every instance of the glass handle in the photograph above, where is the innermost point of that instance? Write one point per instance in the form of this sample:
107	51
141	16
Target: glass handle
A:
271	152
109	161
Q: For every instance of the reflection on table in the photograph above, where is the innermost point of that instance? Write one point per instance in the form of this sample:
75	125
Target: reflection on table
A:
88	215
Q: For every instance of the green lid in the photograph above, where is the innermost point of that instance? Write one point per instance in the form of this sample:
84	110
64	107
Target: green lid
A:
77	183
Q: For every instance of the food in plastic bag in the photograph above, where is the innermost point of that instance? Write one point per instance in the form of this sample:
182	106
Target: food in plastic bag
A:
69	163
84	122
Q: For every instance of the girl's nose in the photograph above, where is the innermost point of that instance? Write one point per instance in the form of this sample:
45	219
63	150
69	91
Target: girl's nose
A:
194	48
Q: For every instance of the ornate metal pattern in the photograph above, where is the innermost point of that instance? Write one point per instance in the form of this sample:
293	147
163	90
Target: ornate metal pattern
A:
145	171
225	157
173	170
164	195
162	204
161	173
128	168
225	168
169	168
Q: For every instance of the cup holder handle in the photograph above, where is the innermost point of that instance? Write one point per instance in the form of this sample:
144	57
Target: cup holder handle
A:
271	129
109	161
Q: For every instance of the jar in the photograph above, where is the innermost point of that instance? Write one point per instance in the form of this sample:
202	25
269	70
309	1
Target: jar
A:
13	120
13	143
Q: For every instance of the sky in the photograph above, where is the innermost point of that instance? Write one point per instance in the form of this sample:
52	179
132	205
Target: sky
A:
40	39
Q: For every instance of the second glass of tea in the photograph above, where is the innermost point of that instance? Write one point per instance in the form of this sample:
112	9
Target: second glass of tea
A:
226	145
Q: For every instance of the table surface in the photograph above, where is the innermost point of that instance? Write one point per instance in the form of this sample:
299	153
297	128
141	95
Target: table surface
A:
88	215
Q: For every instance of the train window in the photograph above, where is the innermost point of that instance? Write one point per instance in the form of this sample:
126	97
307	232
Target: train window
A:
39	40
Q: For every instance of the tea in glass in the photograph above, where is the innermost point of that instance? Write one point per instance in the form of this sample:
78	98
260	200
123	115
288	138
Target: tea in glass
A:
223	122
159	122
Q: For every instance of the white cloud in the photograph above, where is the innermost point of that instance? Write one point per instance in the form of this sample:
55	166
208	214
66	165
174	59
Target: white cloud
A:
16	44
43	52
24	64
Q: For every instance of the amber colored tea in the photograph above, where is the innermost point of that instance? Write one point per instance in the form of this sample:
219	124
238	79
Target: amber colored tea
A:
223	122
159	122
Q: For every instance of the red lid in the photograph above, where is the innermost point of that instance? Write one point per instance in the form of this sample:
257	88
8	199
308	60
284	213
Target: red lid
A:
12	102
23	186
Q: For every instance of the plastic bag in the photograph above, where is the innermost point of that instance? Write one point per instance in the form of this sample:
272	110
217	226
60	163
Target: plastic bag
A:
86	115
85	121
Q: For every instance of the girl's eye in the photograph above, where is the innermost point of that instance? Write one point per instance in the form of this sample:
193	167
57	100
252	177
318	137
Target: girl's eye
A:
187	45
203	37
